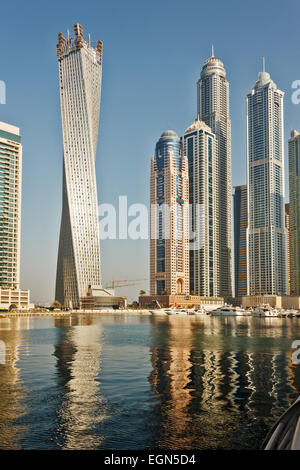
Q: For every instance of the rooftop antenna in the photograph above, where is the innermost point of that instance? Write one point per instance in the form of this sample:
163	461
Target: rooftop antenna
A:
212	51
264	64
89	39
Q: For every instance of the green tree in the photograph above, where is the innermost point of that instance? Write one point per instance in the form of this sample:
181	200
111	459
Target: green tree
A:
56	304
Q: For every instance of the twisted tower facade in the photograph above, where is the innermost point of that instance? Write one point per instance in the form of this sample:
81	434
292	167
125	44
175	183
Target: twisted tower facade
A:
80	76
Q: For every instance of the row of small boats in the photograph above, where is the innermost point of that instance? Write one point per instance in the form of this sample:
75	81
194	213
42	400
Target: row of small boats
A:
229	311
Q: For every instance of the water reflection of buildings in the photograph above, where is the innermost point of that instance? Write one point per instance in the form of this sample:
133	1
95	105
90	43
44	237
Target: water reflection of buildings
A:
170	378
12	396
82	407
216	379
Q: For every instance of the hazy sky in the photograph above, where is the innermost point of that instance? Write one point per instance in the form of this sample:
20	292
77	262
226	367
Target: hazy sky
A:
153	54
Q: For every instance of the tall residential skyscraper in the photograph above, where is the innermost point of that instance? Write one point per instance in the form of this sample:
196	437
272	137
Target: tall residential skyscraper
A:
199	145
10	218
213	109
169	199
10	205
80	75
294	182
265	164
240	222
288	252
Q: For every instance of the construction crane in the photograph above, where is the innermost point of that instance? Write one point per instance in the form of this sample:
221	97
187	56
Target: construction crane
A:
134	281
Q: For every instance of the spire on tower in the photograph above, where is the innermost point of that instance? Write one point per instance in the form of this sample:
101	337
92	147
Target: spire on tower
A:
263	64
212	51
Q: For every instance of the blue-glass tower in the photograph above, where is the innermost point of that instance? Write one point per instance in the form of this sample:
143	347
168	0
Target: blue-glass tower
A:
266	234
169	194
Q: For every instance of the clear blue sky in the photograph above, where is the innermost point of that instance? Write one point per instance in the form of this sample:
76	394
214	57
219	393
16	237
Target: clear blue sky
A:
153	54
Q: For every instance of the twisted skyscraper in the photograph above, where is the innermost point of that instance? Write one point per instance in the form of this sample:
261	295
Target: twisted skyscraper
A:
213	109
80	74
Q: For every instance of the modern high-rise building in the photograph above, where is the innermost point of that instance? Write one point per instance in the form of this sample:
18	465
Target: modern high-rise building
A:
213	109
169	227
266	234
80	75
294	184
10	205
288	257
199	146
10	218
240	223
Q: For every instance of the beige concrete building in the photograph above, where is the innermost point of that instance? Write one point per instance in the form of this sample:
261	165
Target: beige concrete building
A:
278	301
148	301
14	298
99	298
169	224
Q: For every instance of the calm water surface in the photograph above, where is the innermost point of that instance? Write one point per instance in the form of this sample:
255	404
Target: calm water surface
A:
132	382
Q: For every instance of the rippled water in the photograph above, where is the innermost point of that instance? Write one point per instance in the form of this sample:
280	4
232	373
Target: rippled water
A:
133	382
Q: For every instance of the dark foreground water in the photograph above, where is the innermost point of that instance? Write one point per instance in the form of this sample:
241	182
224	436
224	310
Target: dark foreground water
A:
132	382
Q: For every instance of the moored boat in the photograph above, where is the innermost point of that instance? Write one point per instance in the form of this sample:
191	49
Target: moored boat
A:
225	310
201	311
264	310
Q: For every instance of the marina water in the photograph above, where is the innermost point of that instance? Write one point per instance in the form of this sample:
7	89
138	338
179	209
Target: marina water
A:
144	382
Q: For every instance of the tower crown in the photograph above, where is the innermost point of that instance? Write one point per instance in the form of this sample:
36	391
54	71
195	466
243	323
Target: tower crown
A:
169	134
264	77
213	65
198	124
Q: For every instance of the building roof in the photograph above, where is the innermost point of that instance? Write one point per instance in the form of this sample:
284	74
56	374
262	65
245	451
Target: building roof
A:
198	124
213	65
169	134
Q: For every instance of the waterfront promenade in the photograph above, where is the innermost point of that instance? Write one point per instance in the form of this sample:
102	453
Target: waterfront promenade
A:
74	312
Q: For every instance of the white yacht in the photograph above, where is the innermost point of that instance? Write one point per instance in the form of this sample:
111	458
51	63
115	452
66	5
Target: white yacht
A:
225	310
264	311
158	311
201	311
182	311
171	311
